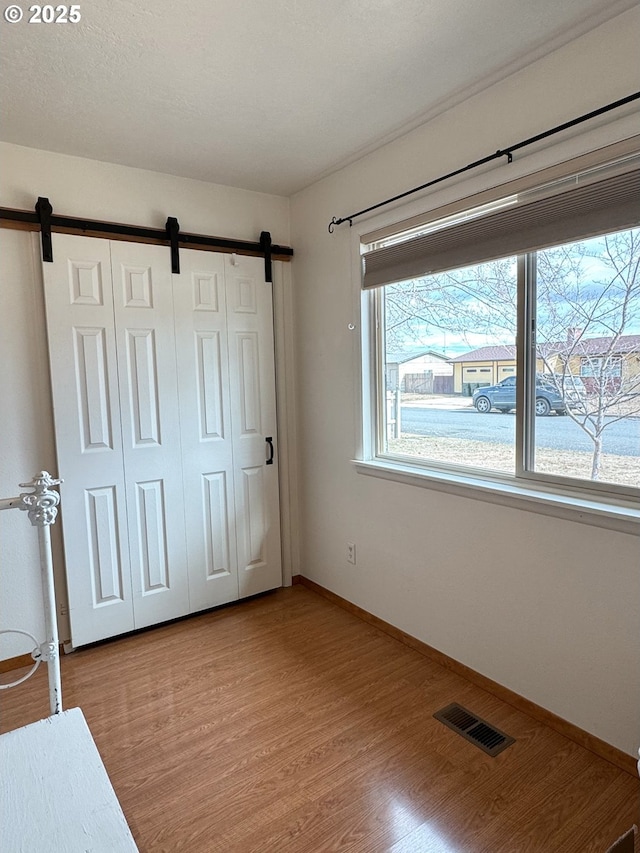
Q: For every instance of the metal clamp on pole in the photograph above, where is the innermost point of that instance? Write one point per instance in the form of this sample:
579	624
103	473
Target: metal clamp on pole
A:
44	211
173	229
265	245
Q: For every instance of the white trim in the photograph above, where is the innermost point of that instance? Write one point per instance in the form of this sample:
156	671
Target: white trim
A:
623	517
283	322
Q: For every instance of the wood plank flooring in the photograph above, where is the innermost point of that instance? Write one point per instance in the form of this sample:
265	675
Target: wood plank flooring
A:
287	725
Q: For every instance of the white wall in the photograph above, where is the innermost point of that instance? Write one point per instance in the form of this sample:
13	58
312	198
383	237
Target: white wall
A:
547	607
76	187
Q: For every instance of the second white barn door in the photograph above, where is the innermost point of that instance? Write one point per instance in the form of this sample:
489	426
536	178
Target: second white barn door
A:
224	342
164	397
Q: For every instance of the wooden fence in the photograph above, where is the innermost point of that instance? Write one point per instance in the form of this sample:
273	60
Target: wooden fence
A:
427	383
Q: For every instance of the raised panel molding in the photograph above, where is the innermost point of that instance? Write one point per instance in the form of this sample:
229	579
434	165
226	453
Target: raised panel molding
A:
246	301
104	545
254	515
92	385
85	280
152	536
216	523
205	292
247	349
138	287
143	379
209	366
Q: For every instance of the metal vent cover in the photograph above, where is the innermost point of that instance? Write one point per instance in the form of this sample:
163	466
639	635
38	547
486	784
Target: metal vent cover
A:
474	729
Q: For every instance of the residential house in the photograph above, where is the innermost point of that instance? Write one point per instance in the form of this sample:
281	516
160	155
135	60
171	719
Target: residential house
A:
483	366
551	613
419	370
606	363
612	361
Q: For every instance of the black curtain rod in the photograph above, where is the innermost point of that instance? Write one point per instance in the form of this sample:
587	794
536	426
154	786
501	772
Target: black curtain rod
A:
501	152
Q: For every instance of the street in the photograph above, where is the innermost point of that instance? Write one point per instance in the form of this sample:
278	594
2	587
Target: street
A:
621	438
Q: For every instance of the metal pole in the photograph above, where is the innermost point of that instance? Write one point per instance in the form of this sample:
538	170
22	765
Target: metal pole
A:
501	152
42	508
51	622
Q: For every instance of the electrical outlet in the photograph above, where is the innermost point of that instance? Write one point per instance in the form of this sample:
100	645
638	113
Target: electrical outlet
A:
351	553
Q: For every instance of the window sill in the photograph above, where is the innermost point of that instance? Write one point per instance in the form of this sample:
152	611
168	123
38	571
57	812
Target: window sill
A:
623	516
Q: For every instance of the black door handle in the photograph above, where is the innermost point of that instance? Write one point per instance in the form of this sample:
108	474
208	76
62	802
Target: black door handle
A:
269	441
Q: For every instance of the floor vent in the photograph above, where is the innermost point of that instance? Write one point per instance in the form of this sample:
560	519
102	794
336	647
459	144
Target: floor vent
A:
472	728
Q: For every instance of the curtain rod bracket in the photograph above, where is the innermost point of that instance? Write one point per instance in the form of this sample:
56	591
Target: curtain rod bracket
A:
44	211
506	153
334	222
173	230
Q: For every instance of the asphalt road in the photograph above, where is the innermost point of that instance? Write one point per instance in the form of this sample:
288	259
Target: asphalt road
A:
621	438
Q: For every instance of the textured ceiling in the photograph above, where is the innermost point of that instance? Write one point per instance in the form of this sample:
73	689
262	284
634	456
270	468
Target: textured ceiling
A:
265	96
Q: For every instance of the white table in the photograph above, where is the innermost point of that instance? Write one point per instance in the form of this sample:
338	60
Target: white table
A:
55	794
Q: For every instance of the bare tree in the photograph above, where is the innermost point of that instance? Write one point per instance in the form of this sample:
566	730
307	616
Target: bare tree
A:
475	300
588	322
590	293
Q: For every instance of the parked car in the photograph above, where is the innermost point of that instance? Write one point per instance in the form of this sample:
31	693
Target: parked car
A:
503	397
573	388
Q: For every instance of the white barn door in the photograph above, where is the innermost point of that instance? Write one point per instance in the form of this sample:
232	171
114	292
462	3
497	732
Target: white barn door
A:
86	404
164	398
224	338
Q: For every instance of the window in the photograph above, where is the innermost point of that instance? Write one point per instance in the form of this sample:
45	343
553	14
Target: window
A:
594	366
562	407
452	314
588	339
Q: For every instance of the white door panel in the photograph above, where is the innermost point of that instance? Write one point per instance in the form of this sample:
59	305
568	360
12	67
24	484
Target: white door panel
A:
205	416
84	378
143	306
253	418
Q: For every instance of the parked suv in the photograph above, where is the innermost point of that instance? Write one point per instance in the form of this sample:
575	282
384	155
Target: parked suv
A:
503	397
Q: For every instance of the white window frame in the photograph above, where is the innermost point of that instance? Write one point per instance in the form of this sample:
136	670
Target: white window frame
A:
587	502
613	370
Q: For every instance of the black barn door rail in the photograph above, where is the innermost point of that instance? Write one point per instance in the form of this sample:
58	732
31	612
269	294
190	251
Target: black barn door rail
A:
43	219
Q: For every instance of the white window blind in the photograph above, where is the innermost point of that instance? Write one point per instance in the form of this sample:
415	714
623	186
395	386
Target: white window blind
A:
576	208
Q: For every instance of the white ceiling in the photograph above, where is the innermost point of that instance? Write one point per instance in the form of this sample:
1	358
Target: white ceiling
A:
263	95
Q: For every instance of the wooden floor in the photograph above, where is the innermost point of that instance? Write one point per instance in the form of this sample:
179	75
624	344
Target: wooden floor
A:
286	724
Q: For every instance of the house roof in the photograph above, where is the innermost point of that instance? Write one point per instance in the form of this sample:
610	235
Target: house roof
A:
402	356
493	353
582	346
598	346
